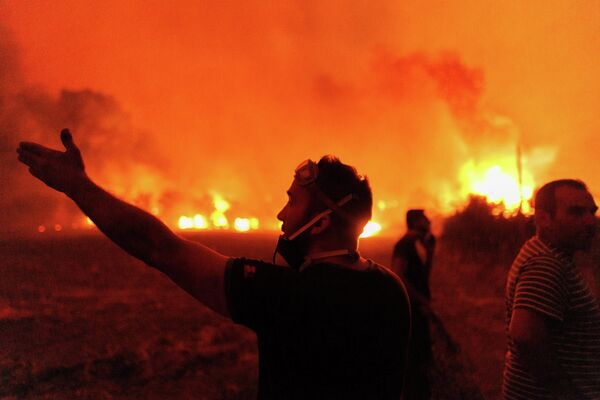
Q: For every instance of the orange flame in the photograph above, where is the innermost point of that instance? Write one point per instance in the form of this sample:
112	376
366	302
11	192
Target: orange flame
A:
503	180
372	228
500	185
198	221
218	219
246	224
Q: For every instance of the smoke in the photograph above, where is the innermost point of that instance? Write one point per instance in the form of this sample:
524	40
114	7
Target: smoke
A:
33	115
105	136
173	104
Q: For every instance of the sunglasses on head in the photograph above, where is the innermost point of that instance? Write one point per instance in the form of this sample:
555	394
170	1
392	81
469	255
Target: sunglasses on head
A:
306	173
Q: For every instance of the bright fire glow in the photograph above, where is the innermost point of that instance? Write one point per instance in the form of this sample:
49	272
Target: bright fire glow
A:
499	183
185	222
372	228
198	221
501	187
218	218
245	224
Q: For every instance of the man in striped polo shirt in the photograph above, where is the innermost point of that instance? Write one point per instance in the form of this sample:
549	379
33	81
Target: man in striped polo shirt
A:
553	319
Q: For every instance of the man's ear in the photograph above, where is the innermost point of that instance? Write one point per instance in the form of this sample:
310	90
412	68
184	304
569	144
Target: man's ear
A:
542	218
321	225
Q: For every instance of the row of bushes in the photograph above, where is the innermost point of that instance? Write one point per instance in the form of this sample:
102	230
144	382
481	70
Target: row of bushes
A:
483	229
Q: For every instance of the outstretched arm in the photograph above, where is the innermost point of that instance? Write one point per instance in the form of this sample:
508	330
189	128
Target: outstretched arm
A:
194	267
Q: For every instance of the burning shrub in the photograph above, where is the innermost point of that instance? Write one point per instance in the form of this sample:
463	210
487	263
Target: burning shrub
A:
482	229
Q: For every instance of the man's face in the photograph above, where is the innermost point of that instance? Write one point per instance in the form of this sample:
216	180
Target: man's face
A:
573	225
295	212
423	225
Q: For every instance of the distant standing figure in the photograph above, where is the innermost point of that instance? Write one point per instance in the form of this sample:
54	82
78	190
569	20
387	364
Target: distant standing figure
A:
413	254
553	319
412	260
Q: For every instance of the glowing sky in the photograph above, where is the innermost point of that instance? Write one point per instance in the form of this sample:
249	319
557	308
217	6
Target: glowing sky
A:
228	96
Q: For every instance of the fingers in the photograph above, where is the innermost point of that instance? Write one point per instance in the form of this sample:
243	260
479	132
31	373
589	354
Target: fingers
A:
72	149
67	140
35	148
28	157
34	154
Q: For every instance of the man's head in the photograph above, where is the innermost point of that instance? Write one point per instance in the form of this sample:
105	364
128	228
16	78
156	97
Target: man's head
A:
326	185
565	214
417	221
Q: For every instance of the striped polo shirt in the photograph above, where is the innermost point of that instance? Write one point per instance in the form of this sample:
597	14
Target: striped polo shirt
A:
546	281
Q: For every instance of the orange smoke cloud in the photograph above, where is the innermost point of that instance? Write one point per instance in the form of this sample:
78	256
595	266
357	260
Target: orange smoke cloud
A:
172	103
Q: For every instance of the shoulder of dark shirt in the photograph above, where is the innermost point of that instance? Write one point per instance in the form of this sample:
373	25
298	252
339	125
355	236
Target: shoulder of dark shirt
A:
375	272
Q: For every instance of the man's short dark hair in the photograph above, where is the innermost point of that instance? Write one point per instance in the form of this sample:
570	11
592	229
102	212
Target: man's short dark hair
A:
413	216
337	180
545	198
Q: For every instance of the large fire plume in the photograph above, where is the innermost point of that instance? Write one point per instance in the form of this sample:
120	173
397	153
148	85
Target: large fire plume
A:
199	112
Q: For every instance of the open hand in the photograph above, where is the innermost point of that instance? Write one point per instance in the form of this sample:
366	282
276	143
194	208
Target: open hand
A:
62	171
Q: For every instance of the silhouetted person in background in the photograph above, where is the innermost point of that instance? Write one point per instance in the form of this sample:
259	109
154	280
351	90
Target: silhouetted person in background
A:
412	260
553	319
331	325
413	254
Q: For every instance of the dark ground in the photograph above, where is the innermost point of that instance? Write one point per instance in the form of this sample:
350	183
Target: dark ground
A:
79	319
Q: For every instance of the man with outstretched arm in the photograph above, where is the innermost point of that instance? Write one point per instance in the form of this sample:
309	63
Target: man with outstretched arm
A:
553	318
330	325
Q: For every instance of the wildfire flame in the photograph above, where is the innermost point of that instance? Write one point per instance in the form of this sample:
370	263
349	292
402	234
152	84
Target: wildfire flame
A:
245	224
198	221
498	177
499	184
502	179
372	228
217	219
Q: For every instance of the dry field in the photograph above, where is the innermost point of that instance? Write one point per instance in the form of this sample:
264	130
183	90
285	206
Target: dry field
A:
79	319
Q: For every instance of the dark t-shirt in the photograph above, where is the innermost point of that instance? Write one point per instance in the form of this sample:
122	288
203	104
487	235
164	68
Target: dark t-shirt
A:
327	332
417	271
